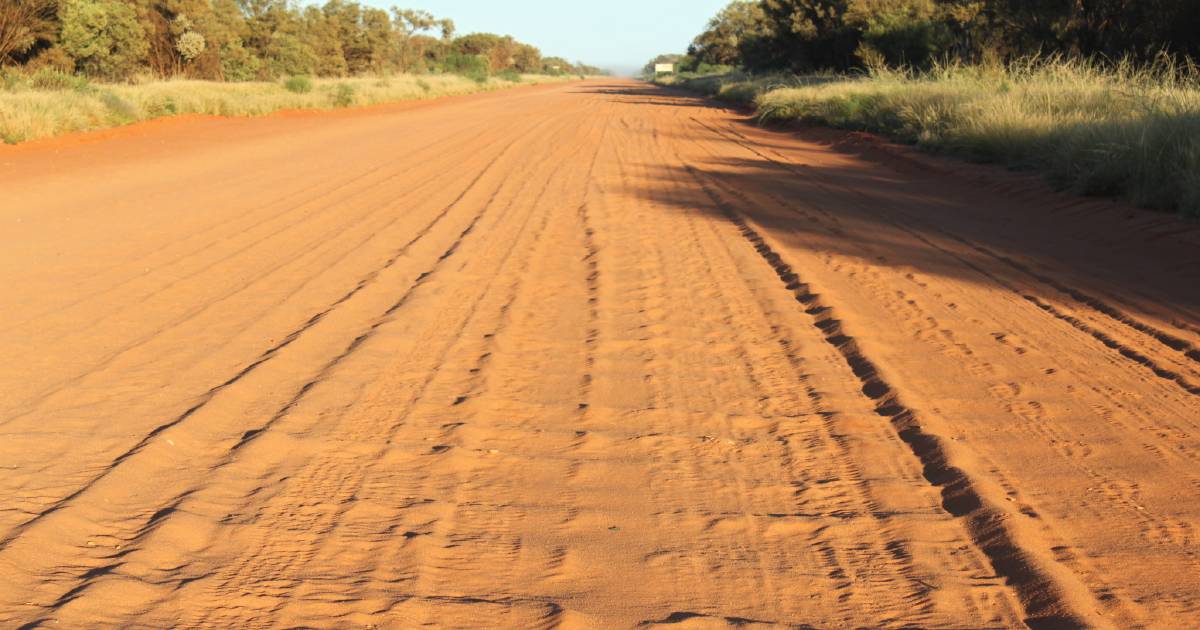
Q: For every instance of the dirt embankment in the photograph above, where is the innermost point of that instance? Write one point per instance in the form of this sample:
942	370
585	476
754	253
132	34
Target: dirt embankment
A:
591	355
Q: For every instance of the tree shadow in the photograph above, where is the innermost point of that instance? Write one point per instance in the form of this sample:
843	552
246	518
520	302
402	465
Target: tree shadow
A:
650	94
999	229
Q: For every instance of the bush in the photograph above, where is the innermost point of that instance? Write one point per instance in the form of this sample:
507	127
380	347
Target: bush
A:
161	106
474	67
50	79
343	95
510	75
299	84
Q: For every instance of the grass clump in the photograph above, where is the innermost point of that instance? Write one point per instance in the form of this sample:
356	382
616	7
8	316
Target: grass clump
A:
28	112
298	84
510	75
342	95
1117	130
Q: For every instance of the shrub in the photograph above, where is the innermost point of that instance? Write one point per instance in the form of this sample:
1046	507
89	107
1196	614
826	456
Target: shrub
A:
161	106
50	79
343	95
190	45
298	84
237	63
510	75
474	67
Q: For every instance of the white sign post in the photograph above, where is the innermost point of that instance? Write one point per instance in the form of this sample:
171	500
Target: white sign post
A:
664	68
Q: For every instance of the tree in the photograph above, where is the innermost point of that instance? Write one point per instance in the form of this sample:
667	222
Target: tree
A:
897	32
729	32
23	24
240	40
226	56
527	59
809	35
415	50
500	51
103	37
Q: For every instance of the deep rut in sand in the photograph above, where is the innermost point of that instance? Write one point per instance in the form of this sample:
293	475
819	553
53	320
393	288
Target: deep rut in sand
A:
581	356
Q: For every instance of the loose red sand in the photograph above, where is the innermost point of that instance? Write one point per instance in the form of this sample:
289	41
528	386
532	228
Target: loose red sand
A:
590	355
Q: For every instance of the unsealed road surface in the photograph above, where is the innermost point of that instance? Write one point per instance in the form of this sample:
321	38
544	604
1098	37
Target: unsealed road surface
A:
590	355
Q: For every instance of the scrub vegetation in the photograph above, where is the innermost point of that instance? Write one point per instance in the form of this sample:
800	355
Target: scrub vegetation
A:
1110	107
71	65
65	104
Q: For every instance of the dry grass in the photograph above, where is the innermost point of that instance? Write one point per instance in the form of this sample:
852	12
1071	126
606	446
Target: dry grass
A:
1122	131
33	107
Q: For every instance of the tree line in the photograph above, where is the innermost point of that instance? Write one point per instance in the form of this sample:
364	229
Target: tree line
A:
841	35
240	40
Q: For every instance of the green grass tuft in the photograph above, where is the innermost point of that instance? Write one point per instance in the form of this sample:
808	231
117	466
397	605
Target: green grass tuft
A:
298	84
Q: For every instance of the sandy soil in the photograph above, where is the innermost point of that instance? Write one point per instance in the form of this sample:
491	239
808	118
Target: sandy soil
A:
588	356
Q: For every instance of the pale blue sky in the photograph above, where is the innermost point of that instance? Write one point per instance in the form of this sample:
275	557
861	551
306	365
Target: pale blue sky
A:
619	34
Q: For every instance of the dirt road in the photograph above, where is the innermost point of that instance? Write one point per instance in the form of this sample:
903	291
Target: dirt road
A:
593	355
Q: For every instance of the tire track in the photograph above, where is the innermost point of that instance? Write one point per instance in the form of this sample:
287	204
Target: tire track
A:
822	461
309	249
1167	339
263	358
347	495
307	193
1043	599
1107	340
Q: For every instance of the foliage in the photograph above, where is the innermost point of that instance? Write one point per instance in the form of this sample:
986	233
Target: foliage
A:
190	45
736	26
241	40
298	84
23	25
104	37
1123	129
846	35
471	66
342	95
62	107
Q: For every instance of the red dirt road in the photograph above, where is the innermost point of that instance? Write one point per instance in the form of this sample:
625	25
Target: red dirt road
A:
590	355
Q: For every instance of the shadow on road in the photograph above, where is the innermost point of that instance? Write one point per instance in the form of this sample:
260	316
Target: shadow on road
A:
810	188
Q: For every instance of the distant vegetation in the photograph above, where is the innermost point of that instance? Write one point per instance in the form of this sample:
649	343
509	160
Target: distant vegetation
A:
803	36
72	65
245	40
1104	97
46	103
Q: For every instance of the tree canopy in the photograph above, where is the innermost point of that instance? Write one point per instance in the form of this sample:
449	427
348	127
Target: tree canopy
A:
806	35
248	39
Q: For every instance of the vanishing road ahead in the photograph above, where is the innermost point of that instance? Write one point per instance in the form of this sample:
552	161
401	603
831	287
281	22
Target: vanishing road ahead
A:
587	355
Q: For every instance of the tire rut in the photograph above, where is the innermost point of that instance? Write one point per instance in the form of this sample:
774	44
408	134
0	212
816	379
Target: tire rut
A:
263	358
1040	595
